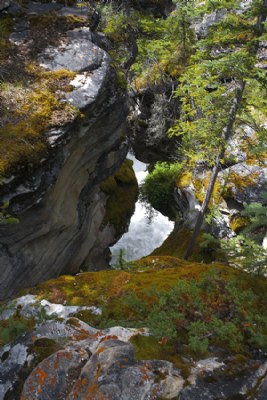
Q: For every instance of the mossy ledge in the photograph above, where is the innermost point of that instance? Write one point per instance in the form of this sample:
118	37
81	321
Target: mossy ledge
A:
128	297
32	98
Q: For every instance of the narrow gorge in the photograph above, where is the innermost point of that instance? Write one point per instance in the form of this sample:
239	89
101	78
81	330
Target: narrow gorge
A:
119	121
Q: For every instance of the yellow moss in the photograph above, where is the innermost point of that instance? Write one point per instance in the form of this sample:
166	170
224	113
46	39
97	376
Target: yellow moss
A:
125	173
184	179
238	222
22	141
109	185
176	244
201	186
240	182
247	146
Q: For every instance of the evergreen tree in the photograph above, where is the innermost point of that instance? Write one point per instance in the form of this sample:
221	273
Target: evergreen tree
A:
216	90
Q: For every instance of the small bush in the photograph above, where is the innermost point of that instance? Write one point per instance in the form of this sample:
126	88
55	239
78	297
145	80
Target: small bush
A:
158	188
210	311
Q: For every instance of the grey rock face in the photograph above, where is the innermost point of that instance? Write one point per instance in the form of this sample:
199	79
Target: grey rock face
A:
63	360
262	55
249	182
151	120
60	207
4	4
78	54
70	360
208	20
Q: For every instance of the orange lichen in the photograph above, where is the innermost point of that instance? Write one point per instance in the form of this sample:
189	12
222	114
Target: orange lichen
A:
42	376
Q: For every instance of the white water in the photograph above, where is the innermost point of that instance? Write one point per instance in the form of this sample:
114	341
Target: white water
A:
143	236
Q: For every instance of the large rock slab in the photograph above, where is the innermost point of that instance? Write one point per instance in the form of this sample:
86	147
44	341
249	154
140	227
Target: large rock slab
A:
60	207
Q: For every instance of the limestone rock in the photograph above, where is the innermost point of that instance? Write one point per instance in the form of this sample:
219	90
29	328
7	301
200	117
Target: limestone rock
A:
59	205
247	183
70	360
201	28
152	117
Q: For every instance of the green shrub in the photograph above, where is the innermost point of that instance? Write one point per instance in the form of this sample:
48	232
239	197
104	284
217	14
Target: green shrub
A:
205	312
158	187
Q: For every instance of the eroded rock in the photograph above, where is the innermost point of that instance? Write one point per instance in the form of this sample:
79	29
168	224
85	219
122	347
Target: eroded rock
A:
59	205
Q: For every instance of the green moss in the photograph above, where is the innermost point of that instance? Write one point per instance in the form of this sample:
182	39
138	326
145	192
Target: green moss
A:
176	244
13	327
30	96
22	141
150	348
122	191
184	179
43	348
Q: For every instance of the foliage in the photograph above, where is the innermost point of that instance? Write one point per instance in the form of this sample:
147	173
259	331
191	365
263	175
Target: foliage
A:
242	252
208	312
214	94
206	87
158	186
164	44
127	298
257	214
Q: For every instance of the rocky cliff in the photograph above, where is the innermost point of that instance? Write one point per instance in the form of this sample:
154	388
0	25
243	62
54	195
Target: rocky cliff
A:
58	205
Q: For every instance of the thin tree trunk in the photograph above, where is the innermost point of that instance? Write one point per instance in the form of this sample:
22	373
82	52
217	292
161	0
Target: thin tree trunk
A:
226	136
227	133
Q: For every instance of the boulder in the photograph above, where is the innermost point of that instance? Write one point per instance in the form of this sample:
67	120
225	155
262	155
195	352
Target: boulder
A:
246	182
70	360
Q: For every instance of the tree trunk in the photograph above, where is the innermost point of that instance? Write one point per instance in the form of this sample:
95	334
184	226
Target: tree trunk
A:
227	133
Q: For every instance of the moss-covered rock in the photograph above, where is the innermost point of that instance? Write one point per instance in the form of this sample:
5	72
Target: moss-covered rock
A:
122	192
32	98
176	244
214	311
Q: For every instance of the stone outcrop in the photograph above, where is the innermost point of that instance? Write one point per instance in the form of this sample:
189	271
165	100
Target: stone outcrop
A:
153	113
69	359
59	206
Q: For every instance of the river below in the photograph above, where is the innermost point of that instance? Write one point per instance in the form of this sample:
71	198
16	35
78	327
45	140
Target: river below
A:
143	235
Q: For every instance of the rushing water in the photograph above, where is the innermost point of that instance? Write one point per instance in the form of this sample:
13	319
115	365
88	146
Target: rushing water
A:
143	236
